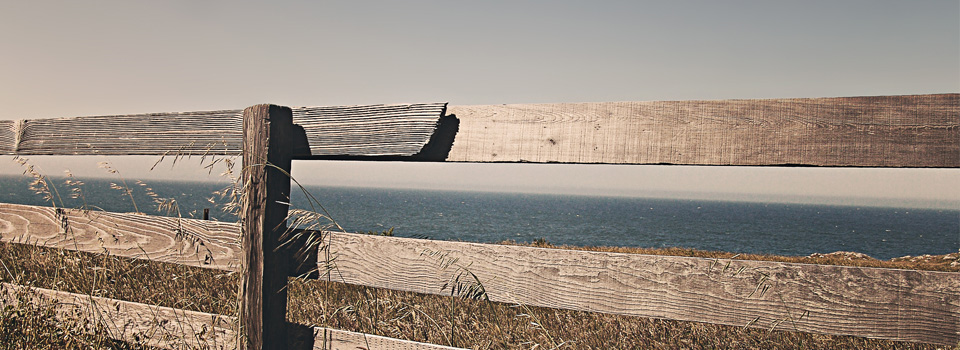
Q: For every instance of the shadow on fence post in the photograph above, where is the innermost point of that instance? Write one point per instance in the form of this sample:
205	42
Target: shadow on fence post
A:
269	138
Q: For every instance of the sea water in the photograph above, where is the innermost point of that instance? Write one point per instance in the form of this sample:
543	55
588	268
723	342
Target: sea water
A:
742	227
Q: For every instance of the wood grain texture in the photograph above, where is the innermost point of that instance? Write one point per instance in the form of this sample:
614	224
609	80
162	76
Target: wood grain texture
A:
157	326
904	305
376	130
268	138
880	131
334	339
172	328
8	136
190	133
881	303
208	244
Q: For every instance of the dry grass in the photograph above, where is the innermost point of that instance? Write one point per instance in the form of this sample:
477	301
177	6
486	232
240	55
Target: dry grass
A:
30	325
435	319
948	262
427	318
487	325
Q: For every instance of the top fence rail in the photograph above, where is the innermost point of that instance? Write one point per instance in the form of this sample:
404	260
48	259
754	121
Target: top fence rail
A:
375	130
876	131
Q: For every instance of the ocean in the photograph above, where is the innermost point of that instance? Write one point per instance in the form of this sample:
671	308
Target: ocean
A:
741	227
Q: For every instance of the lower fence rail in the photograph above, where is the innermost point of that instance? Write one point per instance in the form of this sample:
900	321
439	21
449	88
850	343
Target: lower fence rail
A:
905	305
171	328
894	304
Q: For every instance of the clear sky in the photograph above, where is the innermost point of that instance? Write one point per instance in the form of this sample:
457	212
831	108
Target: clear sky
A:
62	59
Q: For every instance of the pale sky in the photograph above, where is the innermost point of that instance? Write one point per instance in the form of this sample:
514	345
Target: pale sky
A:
65	59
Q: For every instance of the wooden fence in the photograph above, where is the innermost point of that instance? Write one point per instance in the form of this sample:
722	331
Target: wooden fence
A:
886	131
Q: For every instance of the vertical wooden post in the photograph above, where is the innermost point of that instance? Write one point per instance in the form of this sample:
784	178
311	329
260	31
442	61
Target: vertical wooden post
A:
263	296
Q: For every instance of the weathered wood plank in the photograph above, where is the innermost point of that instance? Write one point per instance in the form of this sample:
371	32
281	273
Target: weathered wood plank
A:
201	243
268	138
214	132
880	131
334	339
873	302
171	328
343	131
123	320
8	136
892	304
378	130
869	302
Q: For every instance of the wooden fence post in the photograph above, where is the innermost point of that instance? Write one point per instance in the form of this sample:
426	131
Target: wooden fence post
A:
267	143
